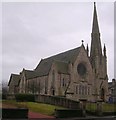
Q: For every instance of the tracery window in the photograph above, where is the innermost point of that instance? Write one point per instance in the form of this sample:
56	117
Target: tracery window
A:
88	90
53	78
77	89
85	90
82	90
63	82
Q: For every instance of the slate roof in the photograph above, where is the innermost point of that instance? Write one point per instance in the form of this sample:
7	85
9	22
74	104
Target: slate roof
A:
14	79
29	74
110	85
64	58
62	67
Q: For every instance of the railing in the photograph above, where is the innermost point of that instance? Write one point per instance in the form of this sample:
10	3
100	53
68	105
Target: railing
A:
57	100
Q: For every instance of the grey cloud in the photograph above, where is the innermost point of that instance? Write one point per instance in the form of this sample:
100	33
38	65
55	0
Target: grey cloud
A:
32	31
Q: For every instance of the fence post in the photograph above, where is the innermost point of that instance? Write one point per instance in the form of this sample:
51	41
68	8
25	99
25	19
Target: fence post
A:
83	106
99	108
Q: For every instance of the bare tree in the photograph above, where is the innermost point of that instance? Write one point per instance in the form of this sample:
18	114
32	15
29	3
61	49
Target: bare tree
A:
4	88
34	87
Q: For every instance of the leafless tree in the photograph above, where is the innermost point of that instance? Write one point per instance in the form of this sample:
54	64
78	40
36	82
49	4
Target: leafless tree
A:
4	88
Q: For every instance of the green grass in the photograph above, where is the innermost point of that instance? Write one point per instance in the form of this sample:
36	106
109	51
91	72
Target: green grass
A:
106	107
41	108
49	109
91	106
35	107
109	107
10	102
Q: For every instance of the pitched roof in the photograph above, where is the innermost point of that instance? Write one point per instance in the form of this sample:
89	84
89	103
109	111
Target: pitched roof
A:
14	79
111	85
44	66
29	74
62	67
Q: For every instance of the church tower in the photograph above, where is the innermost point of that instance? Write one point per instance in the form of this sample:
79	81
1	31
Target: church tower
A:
96	49
98	60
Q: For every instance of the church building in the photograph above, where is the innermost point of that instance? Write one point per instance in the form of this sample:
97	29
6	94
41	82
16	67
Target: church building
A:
75	74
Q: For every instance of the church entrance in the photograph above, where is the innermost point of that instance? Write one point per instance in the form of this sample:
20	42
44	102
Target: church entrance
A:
102	94
52	91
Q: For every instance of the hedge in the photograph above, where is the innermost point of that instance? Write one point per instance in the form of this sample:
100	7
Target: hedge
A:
14	113
67	113
3	96
25	97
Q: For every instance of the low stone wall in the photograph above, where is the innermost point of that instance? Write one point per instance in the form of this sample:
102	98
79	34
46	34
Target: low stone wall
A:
68	113
109	113
56	100
96	113
14	113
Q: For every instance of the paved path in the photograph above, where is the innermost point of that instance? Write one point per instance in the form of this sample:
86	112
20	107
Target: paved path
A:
37	115
33	115
89	118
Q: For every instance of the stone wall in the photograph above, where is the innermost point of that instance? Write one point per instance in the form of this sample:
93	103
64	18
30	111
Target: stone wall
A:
56	100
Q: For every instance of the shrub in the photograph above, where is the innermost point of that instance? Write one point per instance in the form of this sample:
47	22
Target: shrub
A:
8	113
25	97
65	113
3	96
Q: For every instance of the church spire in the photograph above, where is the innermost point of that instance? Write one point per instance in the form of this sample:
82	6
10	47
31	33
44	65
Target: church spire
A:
104	50
87	49
95	28
96	49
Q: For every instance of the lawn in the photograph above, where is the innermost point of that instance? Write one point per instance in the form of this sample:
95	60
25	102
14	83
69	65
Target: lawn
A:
49	109
109	107
106	107
41	108
35	107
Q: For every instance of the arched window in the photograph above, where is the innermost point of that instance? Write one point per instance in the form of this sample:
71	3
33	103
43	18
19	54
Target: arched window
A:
82	90
85	90
53	83
88	90
102	94
63	82
46	86
79	89
76	89
53	78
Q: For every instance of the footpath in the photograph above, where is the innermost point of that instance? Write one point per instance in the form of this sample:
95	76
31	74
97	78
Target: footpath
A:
34	115
38	116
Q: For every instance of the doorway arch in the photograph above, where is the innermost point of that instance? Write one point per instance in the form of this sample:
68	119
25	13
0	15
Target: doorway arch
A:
102	94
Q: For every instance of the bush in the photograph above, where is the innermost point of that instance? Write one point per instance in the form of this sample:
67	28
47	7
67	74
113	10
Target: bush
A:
8	113
66	113
25	97
4	96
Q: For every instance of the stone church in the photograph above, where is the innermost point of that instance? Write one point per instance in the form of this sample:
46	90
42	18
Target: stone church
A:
75	74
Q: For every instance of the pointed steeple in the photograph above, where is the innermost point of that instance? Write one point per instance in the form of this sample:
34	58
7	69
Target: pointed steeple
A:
95	28
87	49
96	49
104	50
82	44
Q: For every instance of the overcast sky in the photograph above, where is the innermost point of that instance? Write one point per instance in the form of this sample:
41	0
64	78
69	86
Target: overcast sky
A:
31	31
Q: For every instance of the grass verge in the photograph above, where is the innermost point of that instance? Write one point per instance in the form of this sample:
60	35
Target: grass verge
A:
106	107
35	107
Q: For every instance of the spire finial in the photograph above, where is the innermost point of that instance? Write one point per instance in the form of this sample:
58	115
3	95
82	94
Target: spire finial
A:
95	27
82	41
